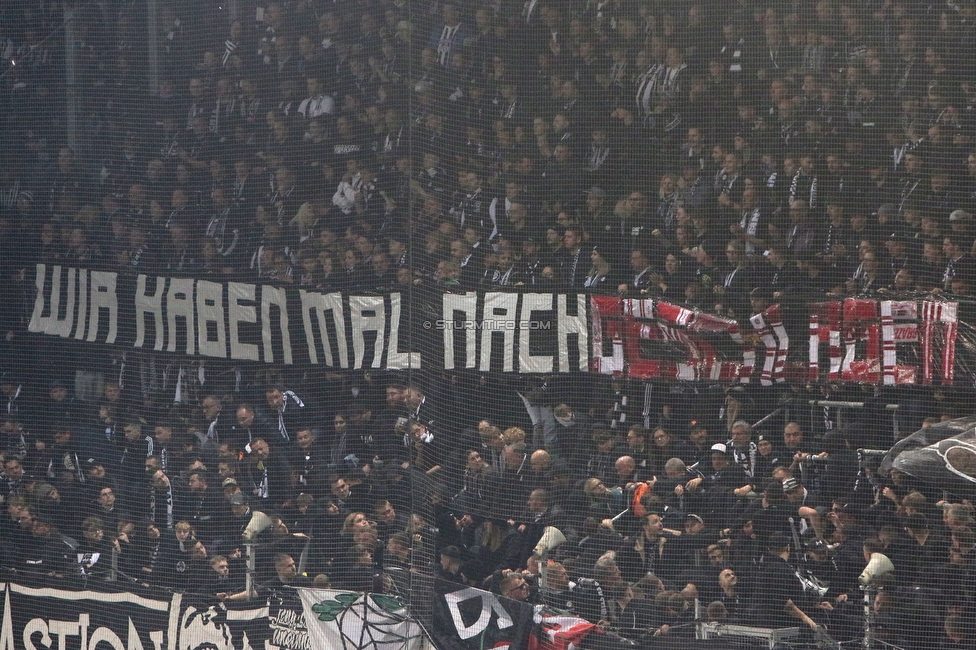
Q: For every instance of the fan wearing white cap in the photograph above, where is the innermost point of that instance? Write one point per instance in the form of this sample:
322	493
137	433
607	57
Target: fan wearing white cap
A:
727	482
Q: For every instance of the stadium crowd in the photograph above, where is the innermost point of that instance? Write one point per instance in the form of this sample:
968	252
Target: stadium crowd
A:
717	155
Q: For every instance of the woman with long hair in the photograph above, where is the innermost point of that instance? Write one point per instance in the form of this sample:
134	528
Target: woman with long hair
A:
497	547
353	522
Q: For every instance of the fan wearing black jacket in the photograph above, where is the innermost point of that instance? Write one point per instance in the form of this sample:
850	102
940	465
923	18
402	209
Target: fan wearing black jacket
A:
780	600
726	483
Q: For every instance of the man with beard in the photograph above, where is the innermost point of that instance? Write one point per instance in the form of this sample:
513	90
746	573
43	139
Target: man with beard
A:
649	552
695	447
200	505
267	474
579	597
383	429
285	407
345	498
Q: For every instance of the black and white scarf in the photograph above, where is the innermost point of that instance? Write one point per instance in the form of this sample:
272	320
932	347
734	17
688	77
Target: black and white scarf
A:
169	506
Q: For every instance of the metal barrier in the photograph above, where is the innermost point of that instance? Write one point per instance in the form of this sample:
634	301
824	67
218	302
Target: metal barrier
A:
842	409
771	636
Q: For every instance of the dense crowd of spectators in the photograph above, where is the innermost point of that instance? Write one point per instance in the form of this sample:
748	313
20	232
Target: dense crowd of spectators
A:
629	525
692	152
717	155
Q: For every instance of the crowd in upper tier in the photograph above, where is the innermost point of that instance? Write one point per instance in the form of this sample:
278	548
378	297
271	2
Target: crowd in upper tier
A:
694	151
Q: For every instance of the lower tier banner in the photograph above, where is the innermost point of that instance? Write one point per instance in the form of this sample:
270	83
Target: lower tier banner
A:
45	618
856	340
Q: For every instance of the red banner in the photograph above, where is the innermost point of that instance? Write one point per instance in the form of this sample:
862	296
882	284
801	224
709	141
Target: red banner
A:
851	340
